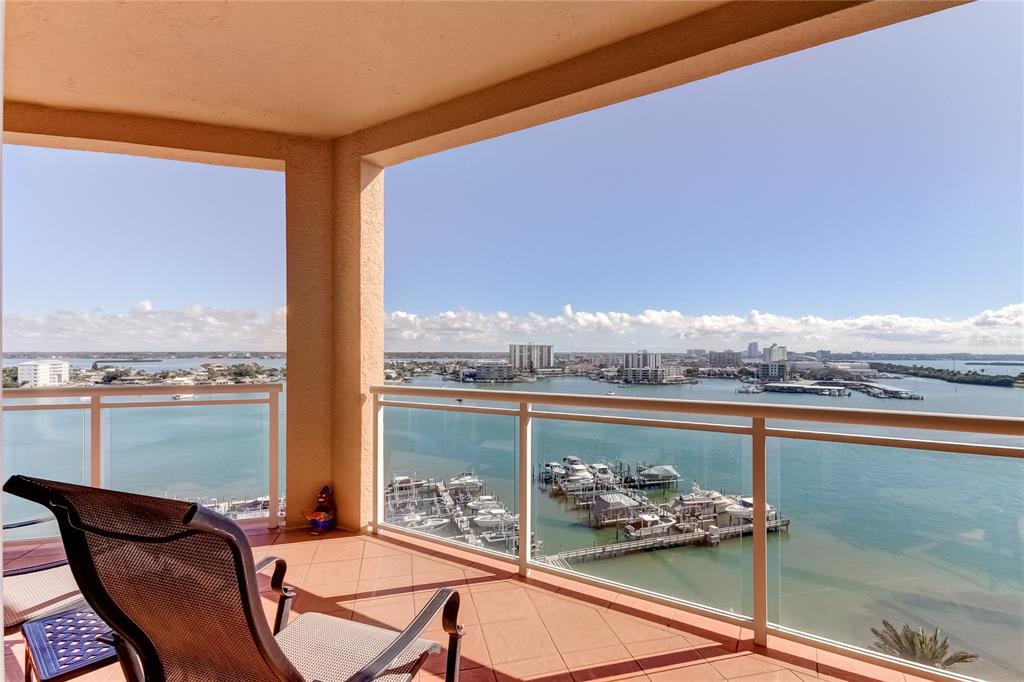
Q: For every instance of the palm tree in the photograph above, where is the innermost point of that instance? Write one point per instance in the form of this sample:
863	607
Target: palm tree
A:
918	646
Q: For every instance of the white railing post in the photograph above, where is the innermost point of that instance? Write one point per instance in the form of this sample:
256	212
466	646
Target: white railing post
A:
378	464
760	534
525	488
96	442
274	472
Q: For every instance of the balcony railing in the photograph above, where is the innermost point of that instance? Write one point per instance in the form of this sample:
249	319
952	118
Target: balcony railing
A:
96	401
1000	438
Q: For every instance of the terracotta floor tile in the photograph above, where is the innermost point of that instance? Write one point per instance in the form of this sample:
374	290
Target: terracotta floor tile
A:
630	629
515	640
782	675
576	628
385	567
467	609
379	548
333	572
392	612
474	652
597	596
549	668
743	663
384	587
510	602
699	672
605	663
666	659
664	645
294	553
844	668
339	549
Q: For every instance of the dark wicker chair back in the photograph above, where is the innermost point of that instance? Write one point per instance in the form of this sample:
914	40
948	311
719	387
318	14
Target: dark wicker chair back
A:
176	581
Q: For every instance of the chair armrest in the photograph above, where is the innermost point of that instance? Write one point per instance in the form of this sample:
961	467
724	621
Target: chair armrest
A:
445	598
285	594
30	522
10	573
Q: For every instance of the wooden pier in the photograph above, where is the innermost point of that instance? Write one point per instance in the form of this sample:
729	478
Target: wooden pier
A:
698	537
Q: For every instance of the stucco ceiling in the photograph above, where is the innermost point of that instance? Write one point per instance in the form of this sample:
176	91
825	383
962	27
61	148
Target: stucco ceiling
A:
311	68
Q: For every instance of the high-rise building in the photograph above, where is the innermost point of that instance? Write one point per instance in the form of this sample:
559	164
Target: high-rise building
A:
774	353
823	355
773	371
752	350
726	358
37	373
641	360
529	357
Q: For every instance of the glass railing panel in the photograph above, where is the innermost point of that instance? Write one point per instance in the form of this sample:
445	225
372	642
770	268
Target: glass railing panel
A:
453	475
52	444
217	455
627	524
930	540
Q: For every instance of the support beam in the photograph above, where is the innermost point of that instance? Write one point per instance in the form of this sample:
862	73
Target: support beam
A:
358	329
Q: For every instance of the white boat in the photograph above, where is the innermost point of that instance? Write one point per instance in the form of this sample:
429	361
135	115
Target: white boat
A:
483	502
744	509
495	517
465	481
183	396
577	474
648	525
601	472
428	524
699	502
554	469
405	483
610	393
406	519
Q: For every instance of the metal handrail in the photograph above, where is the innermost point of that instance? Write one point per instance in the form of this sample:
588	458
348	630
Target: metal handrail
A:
97	404
758	430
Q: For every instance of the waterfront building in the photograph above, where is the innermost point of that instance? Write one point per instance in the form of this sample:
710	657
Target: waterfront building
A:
725	358
644	375
753	351
773	371
494	371
823	355
36	373
774	353
641	360
529	357
857	369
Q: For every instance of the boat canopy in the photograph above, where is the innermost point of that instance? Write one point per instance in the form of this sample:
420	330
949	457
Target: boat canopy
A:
664	472
614	502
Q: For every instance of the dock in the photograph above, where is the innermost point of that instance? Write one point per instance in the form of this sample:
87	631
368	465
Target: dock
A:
712	537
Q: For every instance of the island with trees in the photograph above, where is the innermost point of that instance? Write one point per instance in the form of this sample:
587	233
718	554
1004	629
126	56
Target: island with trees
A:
953	376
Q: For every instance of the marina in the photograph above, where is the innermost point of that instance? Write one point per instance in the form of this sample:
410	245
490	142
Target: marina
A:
611	495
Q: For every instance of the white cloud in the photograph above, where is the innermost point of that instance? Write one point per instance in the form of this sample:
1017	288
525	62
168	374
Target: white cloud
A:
197	327
145	327
999	330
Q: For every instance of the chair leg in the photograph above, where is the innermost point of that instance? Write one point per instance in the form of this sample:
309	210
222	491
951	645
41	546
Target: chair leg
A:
451	673
28	666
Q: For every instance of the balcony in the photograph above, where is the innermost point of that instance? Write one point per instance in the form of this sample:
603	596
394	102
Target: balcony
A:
331	94
543	628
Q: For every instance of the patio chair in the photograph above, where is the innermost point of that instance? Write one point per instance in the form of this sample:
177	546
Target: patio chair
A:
34	591
177	585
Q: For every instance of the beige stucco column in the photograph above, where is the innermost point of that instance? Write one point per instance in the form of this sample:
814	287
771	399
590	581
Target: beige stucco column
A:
358	327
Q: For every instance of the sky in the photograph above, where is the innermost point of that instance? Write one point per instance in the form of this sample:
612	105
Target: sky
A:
860	195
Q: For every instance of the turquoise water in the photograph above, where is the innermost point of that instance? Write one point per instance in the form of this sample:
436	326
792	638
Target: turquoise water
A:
930	538
933	539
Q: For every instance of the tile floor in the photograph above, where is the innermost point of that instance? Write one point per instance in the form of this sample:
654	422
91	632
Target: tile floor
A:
544	629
